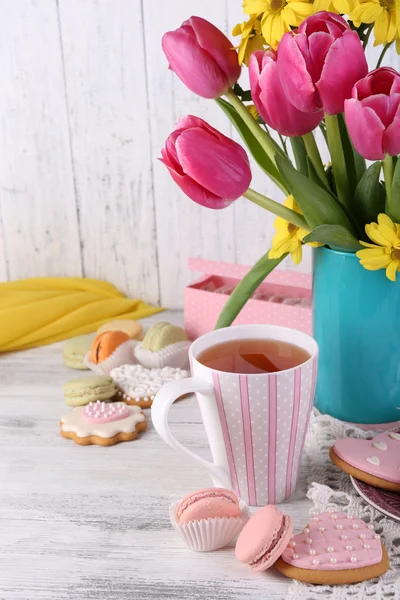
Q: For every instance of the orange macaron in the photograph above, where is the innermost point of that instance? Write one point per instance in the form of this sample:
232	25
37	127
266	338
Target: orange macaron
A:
105	344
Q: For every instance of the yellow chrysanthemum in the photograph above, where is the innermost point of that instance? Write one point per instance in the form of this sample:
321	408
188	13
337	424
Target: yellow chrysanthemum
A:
341	7
289	237
385	14
278	16
253	111
252	38
385	252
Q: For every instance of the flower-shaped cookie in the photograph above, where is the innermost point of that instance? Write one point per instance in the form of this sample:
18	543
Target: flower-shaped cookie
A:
103	423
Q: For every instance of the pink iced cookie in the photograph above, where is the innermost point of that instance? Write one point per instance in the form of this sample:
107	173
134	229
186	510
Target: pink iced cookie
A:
334	548
375	461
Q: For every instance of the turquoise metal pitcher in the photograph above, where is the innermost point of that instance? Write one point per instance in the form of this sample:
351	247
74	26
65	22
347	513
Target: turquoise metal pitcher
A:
357	327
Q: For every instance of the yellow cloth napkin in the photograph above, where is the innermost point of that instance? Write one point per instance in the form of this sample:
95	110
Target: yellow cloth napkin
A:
39	311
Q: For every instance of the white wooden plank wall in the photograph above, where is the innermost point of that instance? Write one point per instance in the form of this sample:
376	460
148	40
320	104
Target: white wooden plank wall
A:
87	103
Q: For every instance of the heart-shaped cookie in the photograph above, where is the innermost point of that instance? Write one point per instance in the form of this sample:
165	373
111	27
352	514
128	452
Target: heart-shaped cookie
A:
334	548
375	461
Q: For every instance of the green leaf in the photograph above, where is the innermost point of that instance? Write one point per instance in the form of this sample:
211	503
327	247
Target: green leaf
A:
316	204
300	154
370	194
395	205
334	236
252	144
313	176
355	163
246	288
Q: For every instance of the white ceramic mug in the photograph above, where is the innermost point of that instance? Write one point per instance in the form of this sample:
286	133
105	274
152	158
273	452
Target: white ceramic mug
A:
255	424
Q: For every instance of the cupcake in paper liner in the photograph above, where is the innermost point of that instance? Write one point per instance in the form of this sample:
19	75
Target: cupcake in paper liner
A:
122	355
164	345
209	519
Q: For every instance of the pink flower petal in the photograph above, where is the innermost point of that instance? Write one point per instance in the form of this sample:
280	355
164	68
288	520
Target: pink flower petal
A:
196	192
193	65
218	46
219	166
391	137
339	73
295	79
365	129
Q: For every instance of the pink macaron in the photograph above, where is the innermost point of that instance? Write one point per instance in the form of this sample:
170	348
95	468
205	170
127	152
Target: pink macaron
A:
207	504
264	537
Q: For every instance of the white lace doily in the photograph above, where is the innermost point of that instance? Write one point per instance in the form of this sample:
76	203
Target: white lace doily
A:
330	488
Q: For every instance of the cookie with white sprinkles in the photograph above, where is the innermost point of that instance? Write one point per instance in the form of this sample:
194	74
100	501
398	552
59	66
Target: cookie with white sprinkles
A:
138	385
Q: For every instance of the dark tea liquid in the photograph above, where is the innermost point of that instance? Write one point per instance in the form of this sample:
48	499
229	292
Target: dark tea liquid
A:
253	356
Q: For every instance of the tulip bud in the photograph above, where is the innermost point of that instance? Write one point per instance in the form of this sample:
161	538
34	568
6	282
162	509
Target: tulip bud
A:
271	101
209	167
373	114
202	57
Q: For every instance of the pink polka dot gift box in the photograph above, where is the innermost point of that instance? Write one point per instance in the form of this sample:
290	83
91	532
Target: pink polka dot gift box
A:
284	298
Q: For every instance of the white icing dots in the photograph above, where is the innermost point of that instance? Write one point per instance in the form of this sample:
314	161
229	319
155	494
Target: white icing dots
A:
353	559
362	536
349	547
312	552
295	556
333	560
330	549
321	529
394	436
292	544
370	526
315	562
355	526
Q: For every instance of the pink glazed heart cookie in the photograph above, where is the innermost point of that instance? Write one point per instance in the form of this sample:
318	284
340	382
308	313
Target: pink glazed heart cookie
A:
334	548
375	461
103	423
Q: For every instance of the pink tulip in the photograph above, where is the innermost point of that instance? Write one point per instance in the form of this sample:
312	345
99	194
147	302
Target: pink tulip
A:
320	64
373	114
202	57
210	168
271	101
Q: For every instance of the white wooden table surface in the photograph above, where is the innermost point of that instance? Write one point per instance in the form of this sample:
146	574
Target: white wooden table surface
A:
92	523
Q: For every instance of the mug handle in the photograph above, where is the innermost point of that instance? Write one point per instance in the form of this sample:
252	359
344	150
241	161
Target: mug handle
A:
159	415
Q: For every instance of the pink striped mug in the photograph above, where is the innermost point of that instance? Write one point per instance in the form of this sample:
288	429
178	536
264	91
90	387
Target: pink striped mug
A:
256	424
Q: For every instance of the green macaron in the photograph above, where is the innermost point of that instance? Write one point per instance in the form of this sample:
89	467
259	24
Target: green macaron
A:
75	349
79	392
161	335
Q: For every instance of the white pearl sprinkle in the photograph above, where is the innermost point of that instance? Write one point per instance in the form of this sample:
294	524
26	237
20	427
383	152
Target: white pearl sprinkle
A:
362	536
330	510
315	562
308	541
349	516
349	547
334	517
295	556
343	537
306	530
338	526
292	544
312	552
355	526
321	529
353	559
333	561
377	537
329	549
370	526
366	546
315	519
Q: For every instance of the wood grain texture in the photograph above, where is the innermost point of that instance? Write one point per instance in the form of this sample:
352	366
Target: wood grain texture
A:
81	523
38	210
107	100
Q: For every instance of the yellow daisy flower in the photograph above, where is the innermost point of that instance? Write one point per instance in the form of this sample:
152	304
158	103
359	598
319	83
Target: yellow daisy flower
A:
289	237
385	16
278	16
341	7
252	39
385	253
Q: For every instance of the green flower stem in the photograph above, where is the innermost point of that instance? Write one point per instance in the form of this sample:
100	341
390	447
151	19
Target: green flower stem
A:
277	209
315	157
338	161
385	49
388	169
262	137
